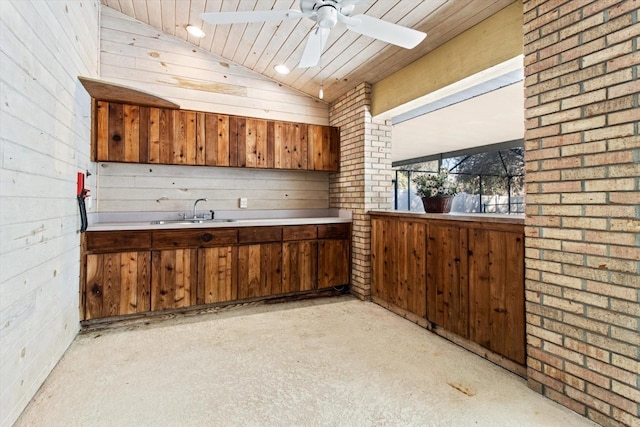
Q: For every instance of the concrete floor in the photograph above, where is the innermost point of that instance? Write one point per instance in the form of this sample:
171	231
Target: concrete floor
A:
335	361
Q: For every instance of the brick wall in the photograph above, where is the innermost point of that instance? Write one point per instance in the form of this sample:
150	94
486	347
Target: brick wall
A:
364	181
583	196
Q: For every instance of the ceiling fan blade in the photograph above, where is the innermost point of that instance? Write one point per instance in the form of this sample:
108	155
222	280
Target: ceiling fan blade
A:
314	47
385	31
249	16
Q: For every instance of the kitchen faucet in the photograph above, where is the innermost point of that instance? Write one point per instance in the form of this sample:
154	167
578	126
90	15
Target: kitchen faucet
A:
195	208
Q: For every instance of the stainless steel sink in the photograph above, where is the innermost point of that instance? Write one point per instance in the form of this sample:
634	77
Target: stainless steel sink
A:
190	221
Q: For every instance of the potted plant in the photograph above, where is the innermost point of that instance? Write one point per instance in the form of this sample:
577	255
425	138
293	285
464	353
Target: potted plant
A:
436	190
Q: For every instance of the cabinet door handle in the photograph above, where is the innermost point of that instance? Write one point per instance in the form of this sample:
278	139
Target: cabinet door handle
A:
207	237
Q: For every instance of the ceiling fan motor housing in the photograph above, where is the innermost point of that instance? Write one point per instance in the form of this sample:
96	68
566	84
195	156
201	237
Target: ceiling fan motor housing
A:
327	16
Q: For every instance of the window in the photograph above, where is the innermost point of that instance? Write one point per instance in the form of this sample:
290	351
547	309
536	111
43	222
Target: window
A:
492	181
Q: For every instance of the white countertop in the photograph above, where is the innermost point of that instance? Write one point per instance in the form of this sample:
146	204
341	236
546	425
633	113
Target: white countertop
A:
147	225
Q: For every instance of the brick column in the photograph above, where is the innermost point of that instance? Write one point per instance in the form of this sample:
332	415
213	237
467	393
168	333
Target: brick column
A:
364	181
582	147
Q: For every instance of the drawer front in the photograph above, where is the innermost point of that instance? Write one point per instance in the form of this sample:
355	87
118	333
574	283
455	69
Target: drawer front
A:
334	231
300	232
114	241
202	238
260	234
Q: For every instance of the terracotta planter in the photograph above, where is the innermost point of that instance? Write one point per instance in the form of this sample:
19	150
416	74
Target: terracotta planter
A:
437	204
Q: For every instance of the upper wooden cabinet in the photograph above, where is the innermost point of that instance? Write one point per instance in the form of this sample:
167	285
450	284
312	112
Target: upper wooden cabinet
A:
141	134
134	134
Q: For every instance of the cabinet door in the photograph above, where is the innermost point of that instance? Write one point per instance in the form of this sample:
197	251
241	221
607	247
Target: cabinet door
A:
256	143
447	278
333	263
323	148
299	266
259	270
290	146
173	283
120	135
399	263
117	284
182	150
217	275
212	139
496	277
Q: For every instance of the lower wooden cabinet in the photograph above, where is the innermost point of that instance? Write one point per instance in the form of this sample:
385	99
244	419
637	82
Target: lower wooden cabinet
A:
116	284
496	291
465	277
334	255
399	264
299	266
447	277
173	279
217	277
259	270
136	272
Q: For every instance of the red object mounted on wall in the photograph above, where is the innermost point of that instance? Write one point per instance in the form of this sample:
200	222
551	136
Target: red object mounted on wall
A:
80	184
81	194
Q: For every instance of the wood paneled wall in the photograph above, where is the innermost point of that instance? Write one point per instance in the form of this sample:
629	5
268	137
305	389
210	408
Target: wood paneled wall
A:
137	55
166	188
45	140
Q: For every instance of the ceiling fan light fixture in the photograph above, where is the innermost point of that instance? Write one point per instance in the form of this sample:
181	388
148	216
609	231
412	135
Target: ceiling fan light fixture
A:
282	69
195	31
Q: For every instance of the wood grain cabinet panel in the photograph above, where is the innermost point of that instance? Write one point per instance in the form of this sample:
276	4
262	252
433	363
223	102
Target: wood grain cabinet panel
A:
174	269
173	279
496	292
447	277
111	241
334	255
299	266
142	134
323	148
474	277
136	134
290	145
212	139
194	238
183	142
399	264
121	135
259	270
333	263
116	284
217	275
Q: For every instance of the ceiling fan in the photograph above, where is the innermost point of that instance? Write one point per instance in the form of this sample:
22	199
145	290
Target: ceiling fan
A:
327	13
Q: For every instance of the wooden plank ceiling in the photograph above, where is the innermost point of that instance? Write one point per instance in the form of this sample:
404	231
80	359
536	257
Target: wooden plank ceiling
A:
348	58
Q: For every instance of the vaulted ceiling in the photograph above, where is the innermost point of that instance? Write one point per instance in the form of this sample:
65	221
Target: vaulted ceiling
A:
348	58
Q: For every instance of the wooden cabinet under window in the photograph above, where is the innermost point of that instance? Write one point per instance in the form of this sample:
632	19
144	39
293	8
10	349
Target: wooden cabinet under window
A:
142	134
469	275
496	290
399	263
447	277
